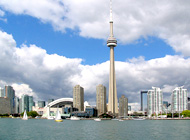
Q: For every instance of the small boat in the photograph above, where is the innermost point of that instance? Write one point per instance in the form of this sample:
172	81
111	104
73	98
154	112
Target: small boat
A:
114	119
120	120
138	119
58	116
74	118
97	119
25	117
50	117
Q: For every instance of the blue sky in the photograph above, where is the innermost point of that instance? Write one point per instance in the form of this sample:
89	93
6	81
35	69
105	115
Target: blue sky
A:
68	38
28	30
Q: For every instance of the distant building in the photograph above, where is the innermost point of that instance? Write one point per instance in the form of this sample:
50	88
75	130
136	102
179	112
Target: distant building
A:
101	99
41	104
26	103
129	108
189	105
144	100
50	100
30	103
16	105
80	114
34	104
5	106
78	97
9	92
188	102
1	92
92	112
123	106
179	99
165	103
20	105
69	110
154	101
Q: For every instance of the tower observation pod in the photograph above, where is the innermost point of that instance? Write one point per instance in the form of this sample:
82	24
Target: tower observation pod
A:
112	42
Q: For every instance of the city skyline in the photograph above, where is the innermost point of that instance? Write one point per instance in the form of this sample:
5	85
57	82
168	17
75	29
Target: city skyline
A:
52	49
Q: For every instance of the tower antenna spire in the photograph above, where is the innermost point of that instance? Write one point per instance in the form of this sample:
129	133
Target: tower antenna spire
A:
111	15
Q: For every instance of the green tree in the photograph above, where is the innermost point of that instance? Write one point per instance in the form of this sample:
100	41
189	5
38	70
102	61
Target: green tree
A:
169	115
33	114
186	113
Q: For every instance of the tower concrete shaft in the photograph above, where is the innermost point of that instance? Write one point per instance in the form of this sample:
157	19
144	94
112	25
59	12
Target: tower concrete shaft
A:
112	42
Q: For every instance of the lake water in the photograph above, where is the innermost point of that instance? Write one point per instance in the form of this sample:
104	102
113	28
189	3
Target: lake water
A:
42	129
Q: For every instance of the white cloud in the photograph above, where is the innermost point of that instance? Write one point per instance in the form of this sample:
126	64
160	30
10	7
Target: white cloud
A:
21	89
134	106
2	13
133	19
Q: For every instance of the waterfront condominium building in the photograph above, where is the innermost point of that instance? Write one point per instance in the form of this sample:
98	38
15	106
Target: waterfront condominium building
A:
78	97
179	99
101	99
123	106
154	101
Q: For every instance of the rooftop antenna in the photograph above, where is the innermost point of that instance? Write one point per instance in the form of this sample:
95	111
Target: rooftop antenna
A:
111	16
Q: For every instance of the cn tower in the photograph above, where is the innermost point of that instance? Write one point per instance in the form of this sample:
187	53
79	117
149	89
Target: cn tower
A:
112	42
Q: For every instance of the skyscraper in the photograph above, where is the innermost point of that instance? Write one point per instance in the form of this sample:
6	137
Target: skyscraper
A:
16	105
112	42
123	106
24	102
30	103
154	101
78	97
9	92
144	100
179	99
101	99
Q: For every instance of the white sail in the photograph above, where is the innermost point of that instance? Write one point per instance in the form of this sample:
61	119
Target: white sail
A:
58	116
25	117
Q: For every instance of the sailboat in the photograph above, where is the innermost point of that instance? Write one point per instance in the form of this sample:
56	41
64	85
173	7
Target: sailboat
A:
97	119
58	116
25	117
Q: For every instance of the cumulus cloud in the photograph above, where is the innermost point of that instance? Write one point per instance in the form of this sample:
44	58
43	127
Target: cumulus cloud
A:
22	89
2	13
29	69
133	19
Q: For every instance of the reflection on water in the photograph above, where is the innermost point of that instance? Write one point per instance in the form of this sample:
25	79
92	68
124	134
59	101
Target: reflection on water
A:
40	129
